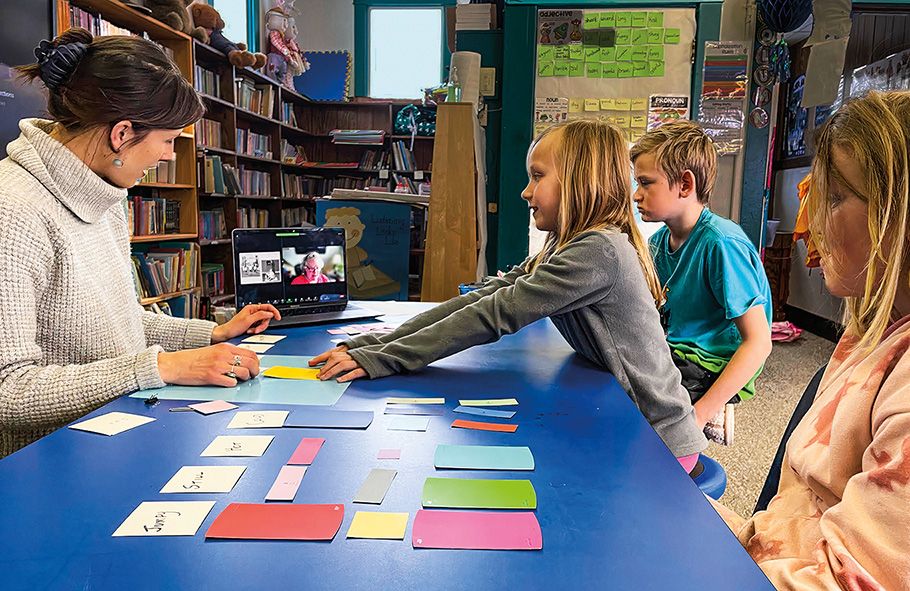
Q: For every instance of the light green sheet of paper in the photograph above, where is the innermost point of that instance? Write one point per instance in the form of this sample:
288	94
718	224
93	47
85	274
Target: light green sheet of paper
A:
469	493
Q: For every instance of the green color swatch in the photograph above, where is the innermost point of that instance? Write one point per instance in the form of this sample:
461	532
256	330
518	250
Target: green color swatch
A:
468	493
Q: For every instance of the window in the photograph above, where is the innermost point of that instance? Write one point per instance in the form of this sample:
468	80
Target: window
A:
406	46
236	23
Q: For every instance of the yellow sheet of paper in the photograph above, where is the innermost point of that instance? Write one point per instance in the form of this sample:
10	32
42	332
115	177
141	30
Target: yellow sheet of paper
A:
639	104
494	401
291	373
592	105
394	400
378	526
623	104
576	105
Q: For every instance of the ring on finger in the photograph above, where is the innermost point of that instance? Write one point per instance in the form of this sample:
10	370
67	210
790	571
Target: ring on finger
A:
237	360
231	375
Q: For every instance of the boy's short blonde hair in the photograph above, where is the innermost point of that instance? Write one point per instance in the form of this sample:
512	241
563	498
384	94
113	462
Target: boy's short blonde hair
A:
678	147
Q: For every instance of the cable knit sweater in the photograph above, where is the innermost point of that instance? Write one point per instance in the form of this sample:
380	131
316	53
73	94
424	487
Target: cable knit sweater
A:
72	333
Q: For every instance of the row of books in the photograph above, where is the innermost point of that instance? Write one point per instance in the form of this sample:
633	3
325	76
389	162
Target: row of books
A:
166	268
297	186
207	81
404	184
358	136
295	216
217	176
258	98
147	216
208	133
76	17
254	182
251	143
288	115
404	158
183	306
165	172
374	160
212	224
212	279
252	217
292	154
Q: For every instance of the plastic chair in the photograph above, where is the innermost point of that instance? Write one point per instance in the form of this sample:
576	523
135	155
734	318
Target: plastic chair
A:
710	477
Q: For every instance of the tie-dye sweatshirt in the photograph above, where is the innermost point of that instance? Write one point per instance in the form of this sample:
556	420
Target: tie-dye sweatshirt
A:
841	516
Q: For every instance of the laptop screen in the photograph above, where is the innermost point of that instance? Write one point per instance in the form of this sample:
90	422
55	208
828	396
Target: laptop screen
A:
289	266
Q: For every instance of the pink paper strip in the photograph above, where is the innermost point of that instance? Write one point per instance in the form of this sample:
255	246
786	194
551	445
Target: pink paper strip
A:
476	530
389	454
306	451
336	331
286	484
212	407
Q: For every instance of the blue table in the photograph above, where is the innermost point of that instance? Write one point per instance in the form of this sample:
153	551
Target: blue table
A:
616	510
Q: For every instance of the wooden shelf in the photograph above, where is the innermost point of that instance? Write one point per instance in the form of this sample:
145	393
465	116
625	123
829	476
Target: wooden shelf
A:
216	150
259	197
123	16
258	158
162	237
167	296
417	137
205	48
241	112
216	100
297	130
164	186
258	76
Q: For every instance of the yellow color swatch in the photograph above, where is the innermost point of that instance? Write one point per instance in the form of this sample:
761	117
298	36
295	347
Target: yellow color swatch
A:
491	402
291	373
394	400
378	526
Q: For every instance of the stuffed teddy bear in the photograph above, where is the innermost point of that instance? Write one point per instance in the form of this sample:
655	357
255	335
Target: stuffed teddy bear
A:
174	14
208	18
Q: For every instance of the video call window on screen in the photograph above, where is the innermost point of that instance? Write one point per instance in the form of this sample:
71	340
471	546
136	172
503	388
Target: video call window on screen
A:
293	266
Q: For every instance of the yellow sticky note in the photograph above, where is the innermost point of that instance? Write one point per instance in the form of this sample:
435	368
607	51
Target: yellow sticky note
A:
291	373
622	120
639	121
394	400
623	104
605	104
592	105
634	136
378	526
576	105
490	402
639	104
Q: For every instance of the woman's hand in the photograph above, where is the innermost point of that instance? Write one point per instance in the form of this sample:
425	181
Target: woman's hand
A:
338	361
252	319
208	366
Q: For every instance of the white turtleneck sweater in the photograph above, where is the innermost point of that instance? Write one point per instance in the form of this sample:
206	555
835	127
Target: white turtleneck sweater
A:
72	333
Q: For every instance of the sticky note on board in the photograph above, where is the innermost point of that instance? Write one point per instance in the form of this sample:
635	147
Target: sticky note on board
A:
606	19
623	69
639	121
291	373
606	104
635	135
592	105
576	52
378	526
476	530
639	19
655	52
639	36
165	518
473	493
655	35
592	53
561	52
640	69
576	68
623	104
656	68
608	54
621	121
638	104
623	36
262	521
546	53
591	20
545	69
561	68
623	19
639	53
609	69
623	53
593	70
655	19
671	36
576	105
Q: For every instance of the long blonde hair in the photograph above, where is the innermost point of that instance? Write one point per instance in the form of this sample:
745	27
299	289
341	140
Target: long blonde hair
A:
592	164
875	132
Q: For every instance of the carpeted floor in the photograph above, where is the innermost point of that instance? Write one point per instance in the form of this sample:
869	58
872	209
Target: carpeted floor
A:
760	422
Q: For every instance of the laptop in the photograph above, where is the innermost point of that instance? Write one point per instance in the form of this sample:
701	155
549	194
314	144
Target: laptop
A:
300	271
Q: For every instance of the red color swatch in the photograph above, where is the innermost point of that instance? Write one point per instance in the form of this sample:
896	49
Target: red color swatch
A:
250	521
481	426
476	530
306	451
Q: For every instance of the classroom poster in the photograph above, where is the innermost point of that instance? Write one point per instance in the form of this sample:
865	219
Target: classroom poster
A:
666	108
559	27
377	244
723	96
550	110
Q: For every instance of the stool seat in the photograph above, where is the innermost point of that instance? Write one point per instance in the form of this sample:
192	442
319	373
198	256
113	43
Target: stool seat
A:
712	480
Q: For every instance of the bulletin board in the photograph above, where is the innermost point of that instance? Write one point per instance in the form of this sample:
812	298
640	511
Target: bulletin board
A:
606	64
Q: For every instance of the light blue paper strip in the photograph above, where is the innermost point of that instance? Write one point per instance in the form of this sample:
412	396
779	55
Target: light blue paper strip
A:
484	457
261	390
486	412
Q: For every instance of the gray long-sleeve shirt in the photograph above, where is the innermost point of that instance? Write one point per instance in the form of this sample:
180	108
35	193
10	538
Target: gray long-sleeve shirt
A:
594	292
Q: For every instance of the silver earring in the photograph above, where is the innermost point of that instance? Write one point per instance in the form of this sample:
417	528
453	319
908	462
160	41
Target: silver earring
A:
118	162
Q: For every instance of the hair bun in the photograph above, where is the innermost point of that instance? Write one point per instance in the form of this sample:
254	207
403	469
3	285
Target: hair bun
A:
58	63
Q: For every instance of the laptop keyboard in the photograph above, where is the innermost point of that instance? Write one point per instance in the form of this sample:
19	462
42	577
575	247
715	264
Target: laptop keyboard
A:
304	310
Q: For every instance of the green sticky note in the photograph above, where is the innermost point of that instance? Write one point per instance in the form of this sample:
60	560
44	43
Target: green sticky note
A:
623	53
590	37
593	70
471	493
607	20
576	68
545	69
561	52
608	54
609	69
623	36
639	53
655	19
545	53
639	19
655	36
639	69
671	36
624	69
639	36
561	68
576	52
623	19
592	53
656	68
483	457
656	53
591	20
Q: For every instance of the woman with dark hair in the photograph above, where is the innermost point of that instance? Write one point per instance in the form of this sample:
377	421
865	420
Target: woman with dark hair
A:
73	334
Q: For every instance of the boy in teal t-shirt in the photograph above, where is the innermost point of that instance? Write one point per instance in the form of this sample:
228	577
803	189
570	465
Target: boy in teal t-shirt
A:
717	309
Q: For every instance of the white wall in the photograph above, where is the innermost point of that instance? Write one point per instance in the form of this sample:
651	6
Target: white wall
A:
325	25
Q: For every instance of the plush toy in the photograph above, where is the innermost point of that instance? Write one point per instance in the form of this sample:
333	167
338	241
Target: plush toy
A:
298	64
208	18
279	58
174	14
